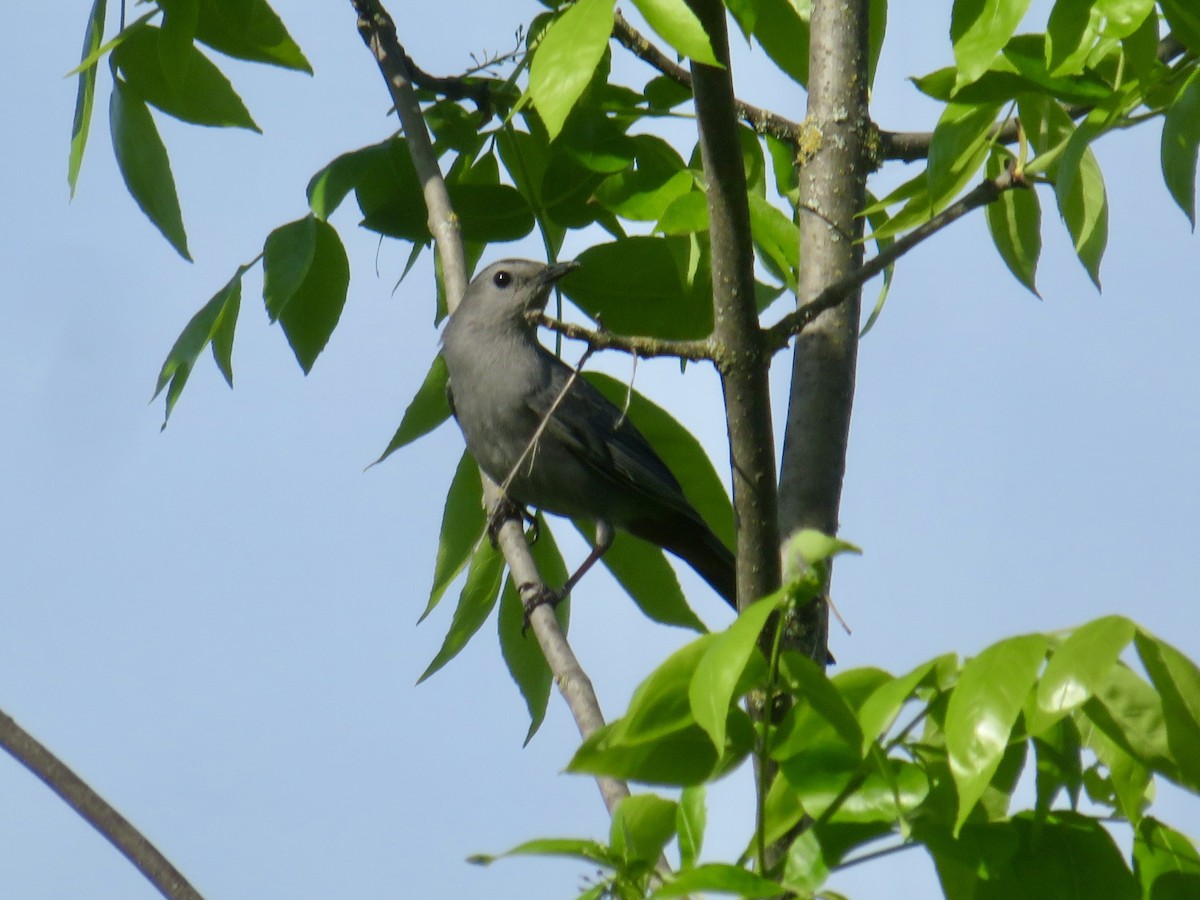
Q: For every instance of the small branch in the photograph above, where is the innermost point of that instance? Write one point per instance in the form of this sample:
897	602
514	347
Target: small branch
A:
646	347
115	828
779	334
761	120
379	34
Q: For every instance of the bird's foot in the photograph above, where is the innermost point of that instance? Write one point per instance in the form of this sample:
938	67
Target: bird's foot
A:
541	596
504	510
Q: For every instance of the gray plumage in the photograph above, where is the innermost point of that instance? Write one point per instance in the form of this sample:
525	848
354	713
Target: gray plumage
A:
589	462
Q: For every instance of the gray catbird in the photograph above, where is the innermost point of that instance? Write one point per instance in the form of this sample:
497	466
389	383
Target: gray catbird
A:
589	462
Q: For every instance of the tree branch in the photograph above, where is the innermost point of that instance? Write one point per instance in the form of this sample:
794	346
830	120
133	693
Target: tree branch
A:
739	353
778	335
645	347
115	828
379	33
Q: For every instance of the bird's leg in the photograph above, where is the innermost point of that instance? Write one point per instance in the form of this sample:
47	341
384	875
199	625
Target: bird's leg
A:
504	510
544	595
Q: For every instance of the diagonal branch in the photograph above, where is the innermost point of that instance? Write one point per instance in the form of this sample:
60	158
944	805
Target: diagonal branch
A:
379	34
778	335
115	828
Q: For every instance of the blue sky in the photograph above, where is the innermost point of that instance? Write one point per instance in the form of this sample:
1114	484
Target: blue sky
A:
215	624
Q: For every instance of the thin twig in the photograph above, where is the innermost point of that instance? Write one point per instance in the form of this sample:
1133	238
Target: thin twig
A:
778	335
379	33
542	425
761	120
603	339
115	828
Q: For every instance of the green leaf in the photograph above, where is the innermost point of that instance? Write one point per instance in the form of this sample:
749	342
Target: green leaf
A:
305	278
635	286
643	571
188	87
782	30
1059	764
144	165
329	187
878	712
685	215
777	238
1015	223
522	654
1078	668
720	669
979	29
1131	713
663	92
596	141
1178	682
388	192
958	148
1064	155
491	212
428	409
641	826
249	29
1071	33
982	711
1184	19
1166	862
1180	143
564	61
86	93
821	731
882	796
684	455
745	12
717	878
690	821
479	595
642	196
176	35
657	740
463	522
877	23
1083	202
1128	781
675	23
214	324
576	848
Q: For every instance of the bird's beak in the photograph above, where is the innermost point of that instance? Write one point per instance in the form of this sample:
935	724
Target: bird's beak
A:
550	276
553	273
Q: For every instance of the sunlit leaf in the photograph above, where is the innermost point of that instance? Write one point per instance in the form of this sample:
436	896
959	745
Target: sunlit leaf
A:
569	52
979	29
983	709
675	23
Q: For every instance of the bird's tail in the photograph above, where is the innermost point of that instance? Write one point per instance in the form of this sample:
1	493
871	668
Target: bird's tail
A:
695	543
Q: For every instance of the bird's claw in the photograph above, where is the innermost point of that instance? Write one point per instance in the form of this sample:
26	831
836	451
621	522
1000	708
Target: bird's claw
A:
504	510
541	596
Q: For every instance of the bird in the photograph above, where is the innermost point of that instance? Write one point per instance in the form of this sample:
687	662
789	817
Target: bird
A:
552	441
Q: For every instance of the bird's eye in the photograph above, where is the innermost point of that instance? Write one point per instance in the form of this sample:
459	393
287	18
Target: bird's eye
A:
502	279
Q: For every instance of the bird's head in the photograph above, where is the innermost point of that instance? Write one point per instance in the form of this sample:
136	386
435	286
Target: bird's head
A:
510	288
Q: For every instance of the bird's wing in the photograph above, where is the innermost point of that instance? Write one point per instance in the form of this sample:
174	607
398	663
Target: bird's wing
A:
597	433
